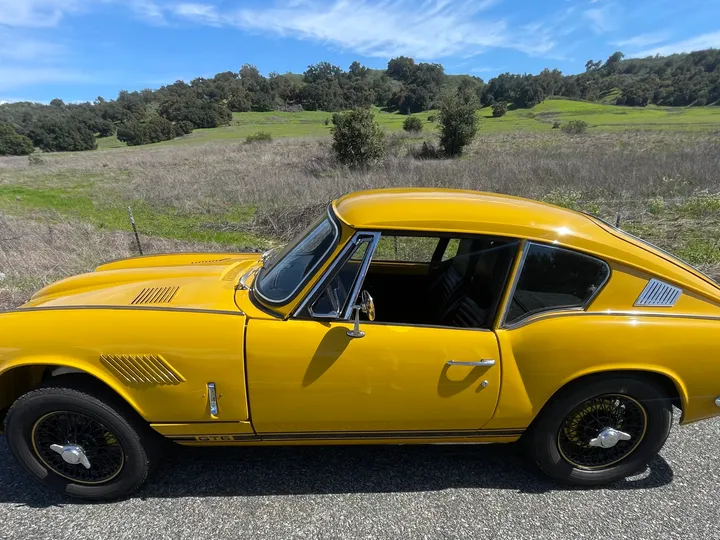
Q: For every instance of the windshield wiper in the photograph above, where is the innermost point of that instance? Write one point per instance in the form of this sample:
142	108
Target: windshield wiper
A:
242	284
267	256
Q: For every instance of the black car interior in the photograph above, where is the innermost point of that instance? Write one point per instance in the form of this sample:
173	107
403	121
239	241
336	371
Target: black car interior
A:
461	289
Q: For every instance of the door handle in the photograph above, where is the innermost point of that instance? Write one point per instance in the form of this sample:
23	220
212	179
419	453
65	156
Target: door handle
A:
481	363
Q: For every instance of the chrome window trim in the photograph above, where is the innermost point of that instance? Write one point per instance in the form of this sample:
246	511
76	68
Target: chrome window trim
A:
361	274
350	246
620	313
521	266
513	286
303	282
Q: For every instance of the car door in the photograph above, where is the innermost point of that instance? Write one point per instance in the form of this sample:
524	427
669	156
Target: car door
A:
308	377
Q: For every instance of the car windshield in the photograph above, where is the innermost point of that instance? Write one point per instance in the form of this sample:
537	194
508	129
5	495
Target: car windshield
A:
285	272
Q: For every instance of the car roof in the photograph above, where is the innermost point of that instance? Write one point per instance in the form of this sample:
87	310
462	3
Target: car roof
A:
474	212
462	211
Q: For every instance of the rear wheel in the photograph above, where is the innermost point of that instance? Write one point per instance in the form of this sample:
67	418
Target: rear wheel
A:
77	444
600	430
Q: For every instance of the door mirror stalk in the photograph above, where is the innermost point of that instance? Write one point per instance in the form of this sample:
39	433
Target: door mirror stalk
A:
367	306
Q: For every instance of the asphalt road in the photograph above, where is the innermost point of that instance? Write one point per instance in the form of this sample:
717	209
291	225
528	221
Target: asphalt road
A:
404	492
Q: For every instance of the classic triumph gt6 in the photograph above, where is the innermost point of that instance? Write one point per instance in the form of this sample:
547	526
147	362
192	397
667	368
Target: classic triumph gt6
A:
399	316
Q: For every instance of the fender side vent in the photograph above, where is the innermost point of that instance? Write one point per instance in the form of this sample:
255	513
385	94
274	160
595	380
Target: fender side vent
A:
658	294
155	295
211	261
142	369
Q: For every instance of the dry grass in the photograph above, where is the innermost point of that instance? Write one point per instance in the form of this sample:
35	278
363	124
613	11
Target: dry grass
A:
647	177
35	253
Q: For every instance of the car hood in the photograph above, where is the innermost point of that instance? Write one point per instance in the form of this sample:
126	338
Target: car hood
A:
178	281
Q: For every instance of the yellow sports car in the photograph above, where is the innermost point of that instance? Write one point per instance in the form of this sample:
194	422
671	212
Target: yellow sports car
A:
399	316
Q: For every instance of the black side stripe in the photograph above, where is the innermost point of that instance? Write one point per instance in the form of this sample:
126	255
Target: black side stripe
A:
355	435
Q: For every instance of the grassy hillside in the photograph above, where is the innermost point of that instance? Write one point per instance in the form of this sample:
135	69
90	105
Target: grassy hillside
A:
600	117
67	212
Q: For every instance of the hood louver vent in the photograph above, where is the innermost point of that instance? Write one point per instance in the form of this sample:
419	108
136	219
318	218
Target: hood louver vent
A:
211	261
658	294
155	295
142	369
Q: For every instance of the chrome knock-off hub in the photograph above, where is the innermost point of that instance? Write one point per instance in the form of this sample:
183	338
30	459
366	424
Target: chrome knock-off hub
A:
72	454
609	437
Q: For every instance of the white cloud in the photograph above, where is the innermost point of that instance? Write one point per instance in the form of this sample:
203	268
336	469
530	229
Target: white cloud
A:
601	19
642	40
201	13
703	41
147	10
16	77
485	70
35	13
16	46
427	29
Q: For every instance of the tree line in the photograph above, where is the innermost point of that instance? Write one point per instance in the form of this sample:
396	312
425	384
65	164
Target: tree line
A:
406	86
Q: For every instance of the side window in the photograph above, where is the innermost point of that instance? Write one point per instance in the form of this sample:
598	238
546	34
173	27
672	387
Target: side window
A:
456	282
418	249
555	278
333	299
452	249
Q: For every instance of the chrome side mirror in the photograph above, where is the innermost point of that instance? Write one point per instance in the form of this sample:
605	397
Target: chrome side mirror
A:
367	306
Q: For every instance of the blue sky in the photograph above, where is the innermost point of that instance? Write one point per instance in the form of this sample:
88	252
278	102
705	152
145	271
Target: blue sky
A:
79	49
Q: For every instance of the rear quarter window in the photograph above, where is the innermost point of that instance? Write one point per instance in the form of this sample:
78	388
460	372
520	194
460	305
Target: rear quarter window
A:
555	278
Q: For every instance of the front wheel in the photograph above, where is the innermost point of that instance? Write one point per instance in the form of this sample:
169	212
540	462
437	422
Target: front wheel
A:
77	444
600	430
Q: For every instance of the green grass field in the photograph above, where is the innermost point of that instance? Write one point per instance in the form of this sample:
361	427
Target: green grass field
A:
600	117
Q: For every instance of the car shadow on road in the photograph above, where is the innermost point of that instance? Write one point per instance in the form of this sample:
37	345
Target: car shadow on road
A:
257	471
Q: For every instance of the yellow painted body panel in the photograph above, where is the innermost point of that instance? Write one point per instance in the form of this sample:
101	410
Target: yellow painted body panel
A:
201	347
317	379
308	383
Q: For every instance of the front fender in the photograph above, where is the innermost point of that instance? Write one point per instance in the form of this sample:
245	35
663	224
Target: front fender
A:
6	371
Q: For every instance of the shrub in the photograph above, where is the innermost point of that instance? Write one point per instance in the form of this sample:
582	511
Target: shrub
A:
62	135
358	140
412	124
656	205
499	109
426	151
14	144
183	127
327	121
202	114
701	204
565	197
432	118
575	127
155	130
35	159
458	124
556	124
260	136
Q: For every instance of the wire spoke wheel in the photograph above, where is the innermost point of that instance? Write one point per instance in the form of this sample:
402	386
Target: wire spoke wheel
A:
77	447
602	431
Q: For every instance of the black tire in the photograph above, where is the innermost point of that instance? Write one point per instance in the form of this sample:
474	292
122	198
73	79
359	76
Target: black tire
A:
544	440
132	439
